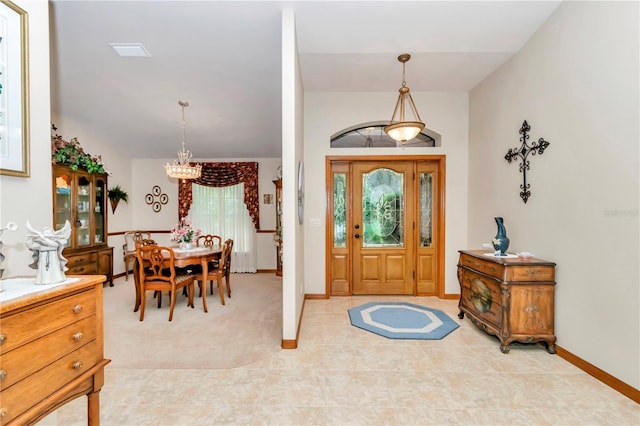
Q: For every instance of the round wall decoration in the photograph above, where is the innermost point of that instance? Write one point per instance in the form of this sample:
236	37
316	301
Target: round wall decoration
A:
156	199
300	192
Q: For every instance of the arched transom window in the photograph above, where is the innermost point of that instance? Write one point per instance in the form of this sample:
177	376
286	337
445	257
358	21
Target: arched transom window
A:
372	135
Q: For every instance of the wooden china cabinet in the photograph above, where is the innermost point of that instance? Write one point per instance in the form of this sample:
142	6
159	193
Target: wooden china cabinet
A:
278	235
81	198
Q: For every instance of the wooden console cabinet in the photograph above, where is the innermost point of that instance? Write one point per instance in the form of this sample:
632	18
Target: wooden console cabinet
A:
51	351
510	298
81	198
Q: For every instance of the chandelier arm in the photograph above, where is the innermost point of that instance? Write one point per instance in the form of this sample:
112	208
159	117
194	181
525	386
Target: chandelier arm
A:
395	110
413	107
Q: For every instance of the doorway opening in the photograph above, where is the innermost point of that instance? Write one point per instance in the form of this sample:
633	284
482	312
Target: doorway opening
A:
385	225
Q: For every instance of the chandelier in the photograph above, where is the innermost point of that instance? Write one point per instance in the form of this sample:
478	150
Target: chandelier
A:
181	169
399	129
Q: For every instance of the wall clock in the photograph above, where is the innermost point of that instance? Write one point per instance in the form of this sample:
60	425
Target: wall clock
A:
300	192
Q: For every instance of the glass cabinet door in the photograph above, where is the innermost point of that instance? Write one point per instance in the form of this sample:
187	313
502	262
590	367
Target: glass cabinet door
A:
63	193
83	209
99	210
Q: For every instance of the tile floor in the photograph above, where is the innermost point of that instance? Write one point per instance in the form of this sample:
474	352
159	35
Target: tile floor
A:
342	375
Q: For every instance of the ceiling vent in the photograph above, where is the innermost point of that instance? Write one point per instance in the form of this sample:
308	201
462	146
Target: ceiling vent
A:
130	49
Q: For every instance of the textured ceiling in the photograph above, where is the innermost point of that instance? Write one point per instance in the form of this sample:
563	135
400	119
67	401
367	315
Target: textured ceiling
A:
224	58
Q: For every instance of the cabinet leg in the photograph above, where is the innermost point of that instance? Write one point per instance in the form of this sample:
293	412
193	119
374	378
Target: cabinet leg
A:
461	314
93	408
551	348
504	348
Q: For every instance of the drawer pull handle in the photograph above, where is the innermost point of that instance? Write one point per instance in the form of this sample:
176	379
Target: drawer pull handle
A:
3	374
77	309
491	268
3	412
77	365
77	336
3	338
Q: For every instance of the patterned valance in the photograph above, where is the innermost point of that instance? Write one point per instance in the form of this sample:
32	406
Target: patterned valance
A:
224	174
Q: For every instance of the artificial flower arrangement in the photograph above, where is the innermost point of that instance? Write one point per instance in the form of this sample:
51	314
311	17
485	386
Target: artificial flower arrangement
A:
70	153
184	233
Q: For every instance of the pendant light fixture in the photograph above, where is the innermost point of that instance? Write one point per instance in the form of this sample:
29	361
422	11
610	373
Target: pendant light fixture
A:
399	128
181	169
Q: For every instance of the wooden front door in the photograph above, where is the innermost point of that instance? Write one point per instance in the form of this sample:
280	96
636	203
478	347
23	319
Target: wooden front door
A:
385	225
382	218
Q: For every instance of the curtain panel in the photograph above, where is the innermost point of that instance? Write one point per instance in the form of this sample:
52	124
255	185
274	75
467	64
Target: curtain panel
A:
224	174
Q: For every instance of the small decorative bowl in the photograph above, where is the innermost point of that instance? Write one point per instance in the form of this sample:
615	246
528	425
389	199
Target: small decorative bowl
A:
524	255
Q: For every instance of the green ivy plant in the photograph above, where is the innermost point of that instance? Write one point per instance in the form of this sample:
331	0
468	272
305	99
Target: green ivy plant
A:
70	153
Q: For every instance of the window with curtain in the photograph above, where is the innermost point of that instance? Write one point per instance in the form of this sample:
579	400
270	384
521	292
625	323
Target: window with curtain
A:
222	211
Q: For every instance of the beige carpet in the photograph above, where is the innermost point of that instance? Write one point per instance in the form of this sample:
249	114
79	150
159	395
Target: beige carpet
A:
248	328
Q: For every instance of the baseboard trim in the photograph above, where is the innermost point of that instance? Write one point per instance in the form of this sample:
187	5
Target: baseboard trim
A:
293	344
261	271
606	378
289	344
317	296
452	296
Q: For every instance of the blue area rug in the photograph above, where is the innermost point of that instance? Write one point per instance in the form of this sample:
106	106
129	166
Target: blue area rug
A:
402	320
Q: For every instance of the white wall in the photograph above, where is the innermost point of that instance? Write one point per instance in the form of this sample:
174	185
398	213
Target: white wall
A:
23	199
576	82
327	113
293	266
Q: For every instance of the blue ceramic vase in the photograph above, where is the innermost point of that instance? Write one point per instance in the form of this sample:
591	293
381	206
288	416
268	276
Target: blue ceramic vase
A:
501	241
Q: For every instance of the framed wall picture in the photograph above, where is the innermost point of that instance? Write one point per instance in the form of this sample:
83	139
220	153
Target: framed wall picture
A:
14	90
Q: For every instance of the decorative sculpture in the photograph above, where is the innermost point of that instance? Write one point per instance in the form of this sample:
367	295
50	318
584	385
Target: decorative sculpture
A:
47	249
11	226
523	153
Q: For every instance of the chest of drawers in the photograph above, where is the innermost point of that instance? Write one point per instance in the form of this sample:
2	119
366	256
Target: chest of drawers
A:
510	298
51	351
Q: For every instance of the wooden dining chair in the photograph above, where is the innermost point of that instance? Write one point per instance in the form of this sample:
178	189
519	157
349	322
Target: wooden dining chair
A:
209	240
216	273
157	273
227	267
129	249
139	243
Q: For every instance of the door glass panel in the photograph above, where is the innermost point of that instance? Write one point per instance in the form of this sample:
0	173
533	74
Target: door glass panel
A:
339	209
63	202
83	222
99	210
426	201
383	209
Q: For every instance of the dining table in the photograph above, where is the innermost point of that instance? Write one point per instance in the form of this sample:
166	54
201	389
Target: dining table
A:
183	258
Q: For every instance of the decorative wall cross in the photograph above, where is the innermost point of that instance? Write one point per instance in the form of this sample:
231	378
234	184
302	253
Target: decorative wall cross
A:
523	153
